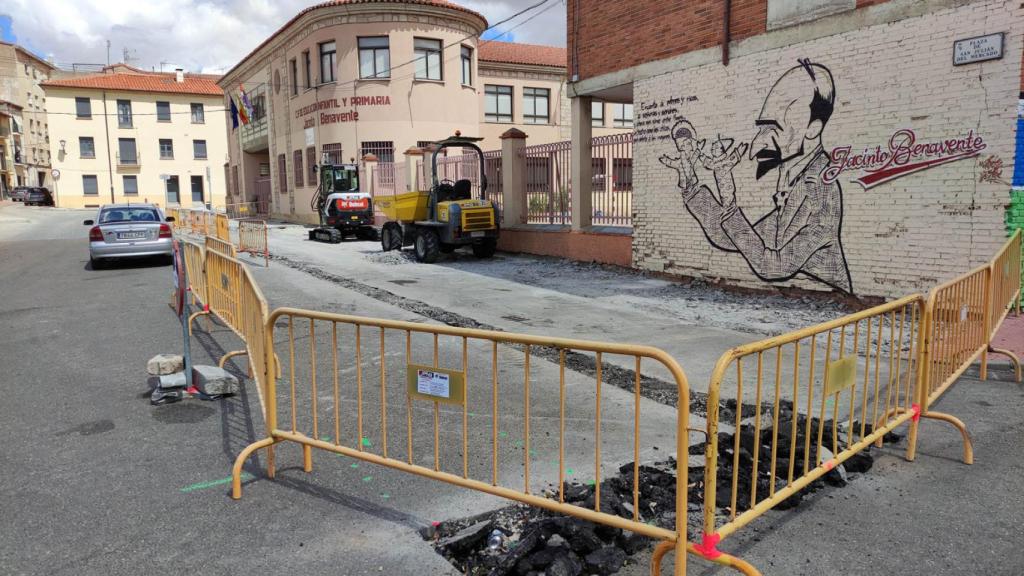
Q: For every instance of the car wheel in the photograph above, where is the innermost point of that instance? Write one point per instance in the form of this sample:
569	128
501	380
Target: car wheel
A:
427	246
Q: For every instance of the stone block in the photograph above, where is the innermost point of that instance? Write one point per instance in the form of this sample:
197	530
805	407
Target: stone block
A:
165	364
213	380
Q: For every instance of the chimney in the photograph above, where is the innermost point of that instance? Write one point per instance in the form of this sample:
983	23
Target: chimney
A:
179	75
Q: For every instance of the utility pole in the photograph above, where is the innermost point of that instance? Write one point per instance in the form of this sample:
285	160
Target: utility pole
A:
106	127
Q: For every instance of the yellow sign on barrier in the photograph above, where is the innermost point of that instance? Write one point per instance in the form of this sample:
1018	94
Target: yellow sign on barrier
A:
436	384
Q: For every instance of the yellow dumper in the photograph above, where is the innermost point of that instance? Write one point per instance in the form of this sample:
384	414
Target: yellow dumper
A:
444	218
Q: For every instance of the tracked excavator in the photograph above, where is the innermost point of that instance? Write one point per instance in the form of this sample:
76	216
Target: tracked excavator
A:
342	208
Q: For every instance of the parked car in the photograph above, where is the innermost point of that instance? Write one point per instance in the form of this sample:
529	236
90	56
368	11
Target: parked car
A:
38	197
129	231
19	192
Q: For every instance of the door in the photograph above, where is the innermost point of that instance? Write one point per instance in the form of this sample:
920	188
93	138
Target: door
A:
173	191
197	189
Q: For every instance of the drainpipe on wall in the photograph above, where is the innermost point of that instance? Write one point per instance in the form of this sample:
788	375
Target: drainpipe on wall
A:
110	165
726	37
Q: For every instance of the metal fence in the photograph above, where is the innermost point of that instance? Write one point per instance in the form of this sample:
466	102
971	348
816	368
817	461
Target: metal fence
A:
252	238
247	210
222	227
612	180
465	166
224	247
548	183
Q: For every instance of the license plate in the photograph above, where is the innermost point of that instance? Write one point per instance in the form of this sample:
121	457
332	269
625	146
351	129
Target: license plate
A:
130	235
477	234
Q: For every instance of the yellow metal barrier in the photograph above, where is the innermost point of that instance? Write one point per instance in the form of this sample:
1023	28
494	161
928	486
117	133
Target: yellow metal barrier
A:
252	238
223	282
225	248
222	227
437	380
1005	275
819	395
195	263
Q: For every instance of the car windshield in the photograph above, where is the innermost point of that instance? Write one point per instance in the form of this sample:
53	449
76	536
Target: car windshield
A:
129	215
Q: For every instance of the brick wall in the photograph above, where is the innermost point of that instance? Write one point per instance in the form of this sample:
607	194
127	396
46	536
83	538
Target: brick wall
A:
898	237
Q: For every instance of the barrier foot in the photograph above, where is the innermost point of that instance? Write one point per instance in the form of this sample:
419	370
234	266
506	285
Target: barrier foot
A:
277	365
723	559
236	470
307	458
229	355
1013	359
959	425
193	317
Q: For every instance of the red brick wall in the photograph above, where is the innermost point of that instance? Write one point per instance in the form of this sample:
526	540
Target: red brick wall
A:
614	249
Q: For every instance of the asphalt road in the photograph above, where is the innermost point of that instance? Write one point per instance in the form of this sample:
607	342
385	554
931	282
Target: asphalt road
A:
97	481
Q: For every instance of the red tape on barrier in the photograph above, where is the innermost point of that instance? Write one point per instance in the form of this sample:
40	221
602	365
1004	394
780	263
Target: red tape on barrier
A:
708	546
829	464
206	307
916	410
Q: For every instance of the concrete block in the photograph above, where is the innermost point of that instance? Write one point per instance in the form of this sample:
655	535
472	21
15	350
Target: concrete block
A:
165	364
213	380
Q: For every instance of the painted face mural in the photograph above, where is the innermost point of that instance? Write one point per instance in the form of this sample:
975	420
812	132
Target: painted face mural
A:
802	234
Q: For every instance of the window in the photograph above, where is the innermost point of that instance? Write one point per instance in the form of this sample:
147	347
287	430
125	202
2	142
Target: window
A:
126	154
199	149
306	68
374	57
198	114
467	66
197	188
166	149
83	107
234	178
327	63
131	185
294	72
124	113
383	150
163	111
86	147
622	115
427	54
597	113
497	103
90	186
282	174
173	196
297	167
311	164
333	152
535	105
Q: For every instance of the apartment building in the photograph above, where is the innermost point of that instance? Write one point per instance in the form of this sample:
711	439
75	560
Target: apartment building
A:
130	135
21	76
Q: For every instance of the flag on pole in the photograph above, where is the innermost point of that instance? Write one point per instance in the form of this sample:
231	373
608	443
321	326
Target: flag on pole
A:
245	102
234	113
243	114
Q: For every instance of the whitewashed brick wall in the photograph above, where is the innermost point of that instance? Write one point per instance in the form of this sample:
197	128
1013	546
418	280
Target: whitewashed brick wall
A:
899	237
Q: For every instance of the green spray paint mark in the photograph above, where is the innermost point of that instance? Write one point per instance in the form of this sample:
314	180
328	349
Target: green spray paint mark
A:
570	471
503	434
519	443
367	478
590	482
355	464
325	438
385	495
366	442
204	485
533	452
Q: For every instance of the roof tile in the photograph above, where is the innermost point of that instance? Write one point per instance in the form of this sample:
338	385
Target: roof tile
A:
200	84
516	53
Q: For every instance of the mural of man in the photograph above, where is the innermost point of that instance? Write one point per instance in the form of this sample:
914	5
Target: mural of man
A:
802	234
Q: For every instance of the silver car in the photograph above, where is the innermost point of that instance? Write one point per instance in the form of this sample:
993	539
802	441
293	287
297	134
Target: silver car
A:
128	231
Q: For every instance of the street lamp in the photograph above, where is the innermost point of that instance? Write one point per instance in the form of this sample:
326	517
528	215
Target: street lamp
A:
63	143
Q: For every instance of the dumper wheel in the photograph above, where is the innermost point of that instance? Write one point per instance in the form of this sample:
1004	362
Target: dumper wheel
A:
390	237
427	246
485	248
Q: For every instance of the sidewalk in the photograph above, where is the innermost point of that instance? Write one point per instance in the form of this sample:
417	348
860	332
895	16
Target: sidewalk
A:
1010	337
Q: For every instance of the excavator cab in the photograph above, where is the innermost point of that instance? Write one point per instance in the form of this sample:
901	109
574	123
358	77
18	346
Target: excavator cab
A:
342	208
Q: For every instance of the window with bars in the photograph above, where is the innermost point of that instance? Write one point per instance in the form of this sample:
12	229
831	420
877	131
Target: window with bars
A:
328	52
467	66
383	150
282	174
535	105
297	167
311	165
333	152
622	115
374	57
497	103
427	53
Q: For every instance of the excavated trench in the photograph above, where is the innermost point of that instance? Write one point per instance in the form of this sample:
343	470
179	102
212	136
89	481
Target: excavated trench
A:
523	540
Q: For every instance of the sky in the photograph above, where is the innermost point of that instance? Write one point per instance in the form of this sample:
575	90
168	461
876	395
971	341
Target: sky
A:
206	35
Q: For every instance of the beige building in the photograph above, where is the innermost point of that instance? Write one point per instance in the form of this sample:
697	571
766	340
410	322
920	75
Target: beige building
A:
129	135
10	136
21	76
356	77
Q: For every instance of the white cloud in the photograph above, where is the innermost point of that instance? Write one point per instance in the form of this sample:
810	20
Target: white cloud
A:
203	35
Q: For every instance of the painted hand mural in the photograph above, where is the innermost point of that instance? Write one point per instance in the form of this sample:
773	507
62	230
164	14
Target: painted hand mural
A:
803	233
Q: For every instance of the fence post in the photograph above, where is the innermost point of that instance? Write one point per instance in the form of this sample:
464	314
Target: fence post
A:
513	177
987	319
367	173
582	165
412	156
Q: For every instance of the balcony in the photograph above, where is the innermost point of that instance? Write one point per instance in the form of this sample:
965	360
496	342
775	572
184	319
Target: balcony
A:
128	163
254	136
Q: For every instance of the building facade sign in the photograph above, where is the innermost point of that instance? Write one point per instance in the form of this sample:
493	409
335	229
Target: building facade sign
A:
978	49
331	104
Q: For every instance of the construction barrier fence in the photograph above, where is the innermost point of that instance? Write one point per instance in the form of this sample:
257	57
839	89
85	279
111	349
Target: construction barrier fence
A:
222	227
252	238
817	396
224	247
436	401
